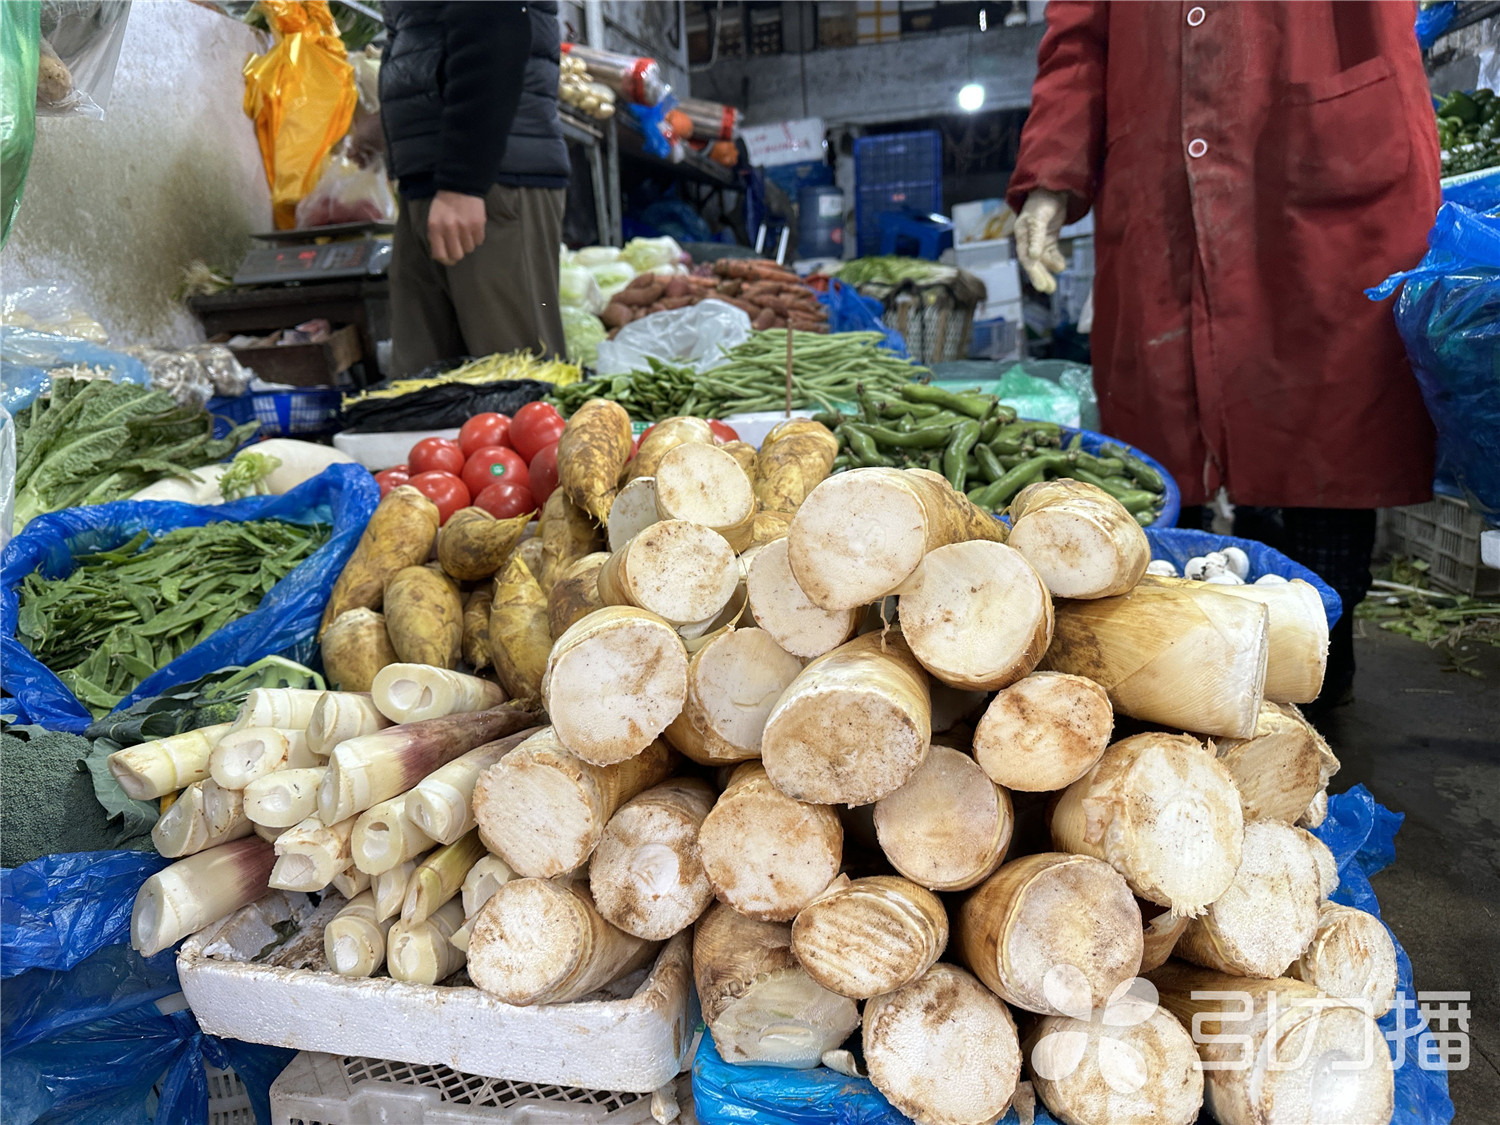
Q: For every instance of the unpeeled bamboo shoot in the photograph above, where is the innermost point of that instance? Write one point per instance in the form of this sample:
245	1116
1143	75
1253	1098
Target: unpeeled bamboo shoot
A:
408	693
442	802
853	726
646	875
385	835
340	715
786	613
703	485
475	644
185	897
867	936
767	854
794	458
1281	768
591	453
1052	933
154	769
1081	539
1044	732
757	1000
284	798
680	571
732	683
575	594
423	952
354	940
664	437
354	647
1351	956
244	755
518	632
1163	813
566	533
948	827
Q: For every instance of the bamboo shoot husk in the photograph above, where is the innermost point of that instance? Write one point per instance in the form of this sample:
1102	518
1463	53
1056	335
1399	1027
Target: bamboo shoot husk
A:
154	769
1189	657
767	527
1044	732
1268	915
613	683
575	594
646	876
353	940
566	533
442	803
732	683
705	486
942	1049
540	942
794	458
1281	768
664	437
745	454
183	898
633	511
1279	1050
342	715
543	810
677	570
786	613
1162	934
439	877
1351	956
1052	933
1163	813
948	827
1297	653
860	535
389	889
1116	1069
244	755
409	693
485	878
283	708
518	632
475	643
853	726
423	952
758	1002
1081	539
867	936
766	854
284	798
385	835
309	855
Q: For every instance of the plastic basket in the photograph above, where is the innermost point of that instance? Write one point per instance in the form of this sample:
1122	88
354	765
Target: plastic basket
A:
228	1101
935	331
230	412
319	1089
895	172
304	410
1443	533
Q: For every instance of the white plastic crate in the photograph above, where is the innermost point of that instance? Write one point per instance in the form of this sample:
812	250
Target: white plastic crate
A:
228	1102
321	1089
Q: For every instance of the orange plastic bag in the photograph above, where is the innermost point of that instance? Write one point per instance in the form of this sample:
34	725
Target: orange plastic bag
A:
301	96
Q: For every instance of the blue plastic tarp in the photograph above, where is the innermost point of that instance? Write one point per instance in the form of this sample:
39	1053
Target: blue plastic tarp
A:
848	311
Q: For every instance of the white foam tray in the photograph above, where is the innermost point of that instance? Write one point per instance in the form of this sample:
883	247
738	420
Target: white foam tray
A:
638	1043
382	451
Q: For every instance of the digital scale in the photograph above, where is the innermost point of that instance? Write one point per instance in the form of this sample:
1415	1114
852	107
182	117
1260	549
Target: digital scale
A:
341	250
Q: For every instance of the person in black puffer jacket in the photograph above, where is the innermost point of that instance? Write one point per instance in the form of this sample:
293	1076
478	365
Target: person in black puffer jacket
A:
468	101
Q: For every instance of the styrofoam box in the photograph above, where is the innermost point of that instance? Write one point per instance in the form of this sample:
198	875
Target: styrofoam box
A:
1002	286
381	451
754	427
637	1042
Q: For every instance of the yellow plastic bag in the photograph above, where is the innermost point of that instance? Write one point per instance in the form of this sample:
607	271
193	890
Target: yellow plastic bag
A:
301	96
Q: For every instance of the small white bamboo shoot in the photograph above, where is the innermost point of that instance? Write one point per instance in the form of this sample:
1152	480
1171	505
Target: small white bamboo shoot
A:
442	802
250	753
423	952
182	899
351	882
439	877
340	715
385	836
354	940
309	855
284	798
154	769
282	708
408	693
389	888
486	877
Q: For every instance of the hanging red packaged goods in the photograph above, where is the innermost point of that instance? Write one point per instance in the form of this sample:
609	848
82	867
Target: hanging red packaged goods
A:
711	120
634	78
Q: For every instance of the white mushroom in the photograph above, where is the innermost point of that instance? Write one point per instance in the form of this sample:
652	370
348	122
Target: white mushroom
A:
1215	563
1161	567
1225	578
1237	561
1195	568
1270	580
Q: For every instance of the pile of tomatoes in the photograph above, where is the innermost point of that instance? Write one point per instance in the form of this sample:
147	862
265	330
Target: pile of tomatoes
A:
507	466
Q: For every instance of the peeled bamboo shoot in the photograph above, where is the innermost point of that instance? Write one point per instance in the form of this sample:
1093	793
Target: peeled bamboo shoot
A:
442	803
486	877
353	940
282	708
389	889
1044	732
154	769
423	952
948	827
1081	539
309	855
185	897
385	835
284	798
351	882
184	829
408	693
440	877
244	755
341	715
786	613
1351	956
732	683
1281	768
869	936
680	571
703	485
646	875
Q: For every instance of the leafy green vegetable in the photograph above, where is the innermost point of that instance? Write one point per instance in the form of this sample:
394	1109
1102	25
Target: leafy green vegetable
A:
890	269
246	475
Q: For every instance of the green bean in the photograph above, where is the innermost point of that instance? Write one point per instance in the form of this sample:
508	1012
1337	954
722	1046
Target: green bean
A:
862	447
955	456
989	464
918	439
974	405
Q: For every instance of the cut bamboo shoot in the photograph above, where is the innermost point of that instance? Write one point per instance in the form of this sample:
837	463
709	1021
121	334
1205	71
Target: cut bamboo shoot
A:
154	769
732	683
282	708
613	683
1163	813
342	715
284	798
1162	934
760	1004
1052	933
385	836
664	437
705	486
423	952
575	594
853	726
677	570
1328	867
390	889
1279	1050
354	940
786	613
869	936
976	615
943	1050
309	855
1081	539
351	882
442	803
185	829
646	875
633	511
948	827
1044	732
1316	812
1189	657
183	898
244	755
1121	1068
540	942
860	535
1281	768
543	809
224	813
484	879
1268	915
1351	956
440	877
766	854
408	693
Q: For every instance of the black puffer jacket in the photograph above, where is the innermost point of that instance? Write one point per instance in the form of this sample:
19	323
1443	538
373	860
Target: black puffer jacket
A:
468	96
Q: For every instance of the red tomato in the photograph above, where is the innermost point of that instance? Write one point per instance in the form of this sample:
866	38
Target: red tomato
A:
443	489
392	478
491	464
543	471
505	499
484	431
436	455
722	433
536	424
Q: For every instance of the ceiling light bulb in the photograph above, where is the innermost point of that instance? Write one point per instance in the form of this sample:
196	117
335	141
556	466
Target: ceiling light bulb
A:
971	97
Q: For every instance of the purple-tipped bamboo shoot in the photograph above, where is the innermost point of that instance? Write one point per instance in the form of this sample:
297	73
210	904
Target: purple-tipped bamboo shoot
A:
186	828
154	769
182	899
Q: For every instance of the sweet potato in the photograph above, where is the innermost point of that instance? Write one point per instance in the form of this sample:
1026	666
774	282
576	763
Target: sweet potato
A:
639	298
576	593
476	638
519	640
616	315
590	454
682	302
399	534
424	616
355	647
665	436
473	544
678	287
642	281
764	319
566	533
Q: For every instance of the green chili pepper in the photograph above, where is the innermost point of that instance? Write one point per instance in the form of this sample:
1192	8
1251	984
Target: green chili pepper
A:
989	465
954	466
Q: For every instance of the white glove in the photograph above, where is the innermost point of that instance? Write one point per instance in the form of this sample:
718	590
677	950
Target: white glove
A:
1037	228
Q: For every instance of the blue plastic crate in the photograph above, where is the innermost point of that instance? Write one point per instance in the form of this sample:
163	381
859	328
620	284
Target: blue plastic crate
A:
304	410
895	172
230	412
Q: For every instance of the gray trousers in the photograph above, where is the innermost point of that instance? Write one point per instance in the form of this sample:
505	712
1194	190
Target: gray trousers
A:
500	298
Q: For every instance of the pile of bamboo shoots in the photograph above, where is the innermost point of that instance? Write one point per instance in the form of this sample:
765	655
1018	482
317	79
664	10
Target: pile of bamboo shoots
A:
787	710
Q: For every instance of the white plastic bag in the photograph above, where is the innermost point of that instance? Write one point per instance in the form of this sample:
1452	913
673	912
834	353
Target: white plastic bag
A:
347	193
577	288
696	336
79	48
54	309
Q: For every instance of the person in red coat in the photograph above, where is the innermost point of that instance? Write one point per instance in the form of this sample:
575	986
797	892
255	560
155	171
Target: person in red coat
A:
1252	168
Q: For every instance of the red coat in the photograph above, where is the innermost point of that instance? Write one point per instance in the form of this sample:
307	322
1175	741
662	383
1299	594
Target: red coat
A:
1252	168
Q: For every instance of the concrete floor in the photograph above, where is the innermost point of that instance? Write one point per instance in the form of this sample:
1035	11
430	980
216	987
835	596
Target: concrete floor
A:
1426	742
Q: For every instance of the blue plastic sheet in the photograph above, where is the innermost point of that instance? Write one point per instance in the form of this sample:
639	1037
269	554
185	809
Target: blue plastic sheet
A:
850	312
1448	315
1433	20
28	355
286	621
82	1038
1179	544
